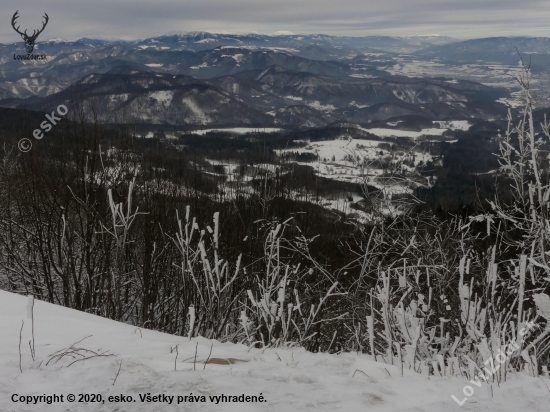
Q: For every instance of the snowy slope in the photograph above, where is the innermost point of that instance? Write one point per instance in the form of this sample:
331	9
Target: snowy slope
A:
289	379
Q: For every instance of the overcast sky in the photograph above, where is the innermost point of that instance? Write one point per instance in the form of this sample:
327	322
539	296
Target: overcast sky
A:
136	19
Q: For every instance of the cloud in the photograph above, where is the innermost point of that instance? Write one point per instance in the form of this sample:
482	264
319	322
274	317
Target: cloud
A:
134	19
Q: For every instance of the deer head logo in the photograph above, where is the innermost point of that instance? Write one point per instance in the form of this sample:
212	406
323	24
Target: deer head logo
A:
29	40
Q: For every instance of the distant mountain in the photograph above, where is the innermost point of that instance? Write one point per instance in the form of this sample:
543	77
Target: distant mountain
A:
346	91
301	115
251	92
25	87
302	81
271	96
501	50
67	63
204	41
127	95
456	110
228	60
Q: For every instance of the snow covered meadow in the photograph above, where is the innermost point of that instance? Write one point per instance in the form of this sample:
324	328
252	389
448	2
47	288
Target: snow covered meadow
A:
145	362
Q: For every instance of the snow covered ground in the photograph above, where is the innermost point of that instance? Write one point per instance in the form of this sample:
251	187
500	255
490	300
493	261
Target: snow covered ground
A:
286	379
463	125
335	160
404	133
239	130
496	75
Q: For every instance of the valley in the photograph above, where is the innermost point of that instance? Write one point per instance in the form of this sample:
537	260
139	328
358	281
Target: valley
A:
375	112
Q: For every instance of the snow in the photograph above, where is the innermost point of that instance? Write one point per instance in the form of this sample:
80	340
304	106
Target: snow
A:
57	40
360	106
195	109
118	97
145	47
382	132
289	379
514	101
162	96
338	148
394	124
336	162
237	57
200	66
323	107
240	130
497	75
363	76
463	125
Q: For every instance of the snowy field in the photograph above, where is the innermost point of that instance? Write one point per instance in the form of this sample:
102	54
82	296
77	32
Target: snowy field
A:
239	130
349	160
354	161
496	75
144	362
382	132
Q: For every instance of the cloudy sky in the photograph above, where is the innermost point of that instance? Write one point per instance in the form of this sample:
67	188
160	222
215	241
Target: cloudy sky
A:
135	19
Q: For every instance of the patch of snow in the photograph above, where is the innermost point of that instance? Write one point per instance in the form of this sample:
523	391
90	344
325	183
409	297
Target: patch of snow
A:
362	76
195	109
463	125
514	101
163	96
200	66
118	97
323	107
239	130
359	106
394	123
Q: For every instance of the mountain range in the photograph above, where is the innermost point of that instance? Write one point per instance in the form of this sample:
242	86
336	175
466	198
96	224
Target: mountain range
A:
203	78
